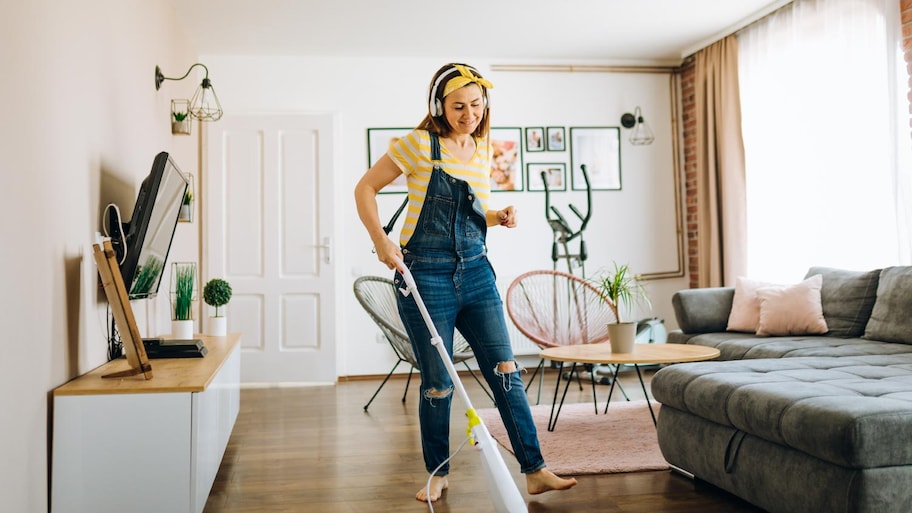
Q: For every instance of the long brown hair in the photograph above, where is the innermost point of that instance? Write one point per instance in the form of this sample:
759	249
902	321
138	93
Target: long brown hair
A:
439	125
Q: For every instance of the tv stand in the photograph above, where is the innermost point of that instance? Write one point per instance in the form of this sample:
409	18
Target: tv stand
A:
145	446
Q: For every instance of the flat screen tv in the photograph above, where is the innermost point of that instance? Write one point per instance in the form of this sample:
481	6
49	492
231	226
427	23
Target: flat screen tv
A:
143	243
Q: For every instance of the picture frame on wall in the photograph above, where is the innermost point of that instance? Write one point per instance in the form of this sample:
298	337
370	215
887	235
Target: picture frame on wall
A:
535	138
506	159
555	173
555	138
599	149
378	143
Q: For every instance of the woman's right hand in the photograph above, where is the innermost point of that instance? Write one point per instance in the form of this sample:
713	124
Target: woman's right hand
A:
388	252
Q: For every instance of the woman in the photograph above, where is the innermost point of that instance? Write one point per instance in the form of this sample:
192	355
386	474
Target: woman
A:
447	164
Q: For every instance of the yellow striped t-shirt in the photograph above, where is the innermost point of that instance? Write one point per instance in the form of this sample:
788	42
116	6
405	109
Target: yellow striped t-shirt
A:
412	153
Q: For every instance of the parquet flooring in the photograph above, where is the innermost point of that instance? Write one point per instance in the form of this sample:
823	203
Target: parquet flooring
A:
315	450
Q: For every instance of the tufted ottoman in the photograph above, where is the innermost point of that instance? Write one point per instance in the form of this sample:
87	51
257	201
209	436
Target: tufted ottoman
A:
807	434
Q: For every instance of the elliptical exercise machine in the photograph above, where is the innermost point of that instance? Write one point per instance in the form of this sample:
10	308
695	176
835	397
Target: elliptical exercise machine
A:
563	234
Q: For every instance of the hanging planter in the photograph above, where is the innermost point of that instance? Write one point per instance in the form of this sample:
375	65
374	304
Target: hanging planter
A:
180	117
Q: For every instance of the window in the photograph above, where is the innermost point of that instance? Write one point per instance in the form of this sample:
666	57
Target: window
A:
827	157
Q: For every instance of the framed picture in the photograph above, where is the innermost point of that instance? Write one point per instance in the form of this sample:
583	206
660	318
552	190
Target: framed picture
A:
555	173
506	159
535	138
599	149
378	143
555	138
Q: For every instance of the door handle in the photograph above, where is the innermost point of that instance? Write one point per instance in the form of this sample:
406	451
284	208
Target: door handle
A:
327	249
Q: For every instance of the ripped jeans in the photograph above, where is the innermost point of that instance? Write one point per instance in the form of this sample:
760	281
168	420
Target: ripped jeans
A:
463	295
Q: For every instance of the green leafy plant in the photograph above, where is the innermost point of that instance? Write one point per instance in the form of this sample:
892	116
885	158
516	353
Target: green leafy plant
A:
182	293
188	197
621	287
146	276
180	116
217	293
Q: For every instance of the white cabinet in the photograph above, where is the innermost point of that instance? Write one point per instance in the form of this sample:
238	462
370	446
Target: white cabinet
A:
136	445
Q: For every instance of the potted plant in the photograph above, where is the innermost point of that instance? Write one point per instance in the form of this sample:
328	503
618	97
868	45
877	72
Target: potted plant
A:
217	293
183	294
622	291
180	124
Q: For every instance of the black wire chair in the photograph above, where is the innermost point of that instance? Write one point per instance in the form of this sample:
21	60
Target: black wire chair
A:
378	297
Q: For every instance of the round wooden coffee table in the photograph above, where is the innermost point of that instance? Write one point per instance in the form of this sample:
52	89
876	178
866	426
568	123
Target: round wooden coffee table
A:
600	354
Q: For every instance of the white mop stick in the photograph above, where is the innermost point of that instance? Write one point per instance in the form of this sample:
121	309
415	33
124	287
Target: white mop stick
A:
504	493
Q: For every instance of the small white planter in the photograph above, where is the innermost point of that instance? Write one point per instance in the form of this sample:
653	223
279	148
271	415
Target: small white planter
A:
217	326
182	329
622	336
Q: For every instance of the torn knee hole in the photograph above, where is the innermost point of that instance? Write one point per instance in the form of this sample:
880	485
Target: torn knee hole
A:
433	393
506	367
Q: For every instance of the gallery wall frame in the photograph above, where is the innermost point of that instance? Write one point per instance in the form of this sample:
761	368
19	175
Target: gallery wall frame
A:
555	173
555	138
506	159
599	149
535	138
378	143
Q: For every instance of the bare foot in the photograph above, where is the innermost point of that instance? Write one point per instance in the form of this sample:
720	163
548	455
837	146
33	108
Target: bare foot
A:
544	481
438	485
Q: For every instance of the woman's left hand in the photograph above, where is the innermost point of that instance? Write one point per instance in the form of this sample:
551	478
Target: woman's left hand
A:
507	217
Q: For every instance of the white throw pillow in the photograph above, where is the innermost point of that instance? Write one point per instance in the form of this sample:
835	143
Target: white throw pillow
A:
745	312
792	309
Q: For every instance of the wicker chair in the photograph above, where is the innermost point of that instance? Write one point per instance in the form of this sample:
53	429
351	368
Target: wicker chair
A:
378	297
554	308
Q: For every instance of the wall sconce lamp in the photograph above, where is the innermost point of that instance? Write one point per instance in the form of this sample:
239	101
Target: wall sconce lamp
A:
204	105
641	133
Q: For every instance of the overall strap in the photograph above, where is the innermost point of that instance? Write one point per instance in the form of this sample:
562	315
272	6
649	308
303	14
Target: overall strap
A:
435	146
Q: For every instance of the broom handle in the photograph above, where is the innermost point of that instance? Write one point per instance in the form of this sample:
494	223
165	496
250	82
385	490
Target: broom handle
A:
435	336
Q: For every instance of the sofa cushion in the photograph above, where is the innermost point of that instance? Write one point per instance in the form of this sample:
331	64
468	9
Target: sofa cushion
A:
855	412
792	310
745	310
890	318
738	346
847	298
703	310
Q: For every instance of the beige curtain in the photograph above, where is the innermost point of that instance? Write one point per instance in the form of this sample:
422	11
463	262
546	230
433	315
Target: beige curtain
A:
722	225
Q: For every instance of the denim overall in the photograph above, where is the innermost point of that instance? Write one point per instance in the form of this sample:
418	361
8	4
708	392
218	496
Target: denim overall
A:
447	256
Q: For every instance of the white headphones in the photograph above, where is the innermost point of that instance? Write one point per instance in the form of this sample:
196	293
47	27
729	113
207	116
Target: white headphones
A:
435	106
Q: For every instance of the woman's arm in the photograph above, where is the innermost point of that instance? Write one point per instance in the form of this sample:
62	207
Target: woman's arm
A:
377	177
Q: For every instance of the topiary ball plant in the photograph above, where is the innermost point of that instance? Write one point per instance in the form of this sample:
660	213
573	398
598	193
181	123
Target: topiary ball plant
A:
217	293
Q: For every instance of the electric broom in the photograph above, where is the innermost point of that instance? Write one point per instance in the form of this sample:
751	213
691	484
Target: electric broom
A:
504	493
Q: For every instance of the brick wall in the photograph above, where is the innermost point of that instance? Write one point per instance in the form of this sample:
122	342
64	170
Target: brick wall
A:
690	140
688	115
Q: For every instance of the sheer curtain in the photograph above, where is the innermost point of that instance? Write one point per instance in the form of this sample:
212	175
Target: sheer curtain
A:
827	152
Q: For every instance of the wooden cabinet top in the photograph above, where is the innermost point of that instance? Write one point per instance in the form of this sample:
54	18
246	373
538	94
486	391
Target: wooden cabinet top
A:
168	374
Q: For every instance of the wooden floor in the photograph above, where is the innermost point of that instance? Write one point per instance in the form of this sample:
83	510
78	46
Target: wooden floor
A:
315	450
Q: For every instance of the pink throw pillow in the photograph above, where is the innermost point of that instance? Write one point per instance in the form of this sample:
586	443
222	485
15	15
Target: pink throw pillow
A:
745	312
793	309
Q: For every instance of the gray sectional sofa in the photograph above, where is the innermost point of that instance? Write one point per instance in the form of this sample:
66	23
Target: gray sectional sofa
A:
798	423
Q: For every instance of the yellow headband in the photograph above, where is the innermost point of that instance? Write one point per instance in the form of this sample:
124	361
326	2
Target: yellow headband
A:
465	78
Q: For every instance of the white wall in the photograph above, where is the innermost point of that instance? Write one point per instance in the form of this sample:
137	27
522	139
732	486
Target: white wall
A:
80	122
635	225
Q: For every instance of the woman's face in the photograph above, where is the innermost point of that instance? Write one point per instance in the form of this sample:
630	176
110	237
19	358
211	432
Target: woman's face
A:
464	109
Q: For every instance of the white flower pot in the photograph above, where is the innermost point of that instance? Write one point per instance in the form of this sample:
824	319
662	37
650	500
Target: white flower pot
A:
622	336
217	326
182	329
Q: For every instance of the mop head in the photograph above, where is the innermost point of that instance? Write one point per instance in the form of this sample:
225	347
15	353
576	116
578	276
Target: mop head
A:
504	493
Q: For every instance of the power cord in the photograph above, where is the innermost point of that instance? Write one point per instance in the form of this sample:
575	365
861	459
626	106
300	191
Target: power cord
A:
105	227
434	473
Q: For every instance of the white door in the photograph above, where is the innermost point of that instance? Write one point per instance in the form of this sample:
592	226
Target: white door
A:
269	233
